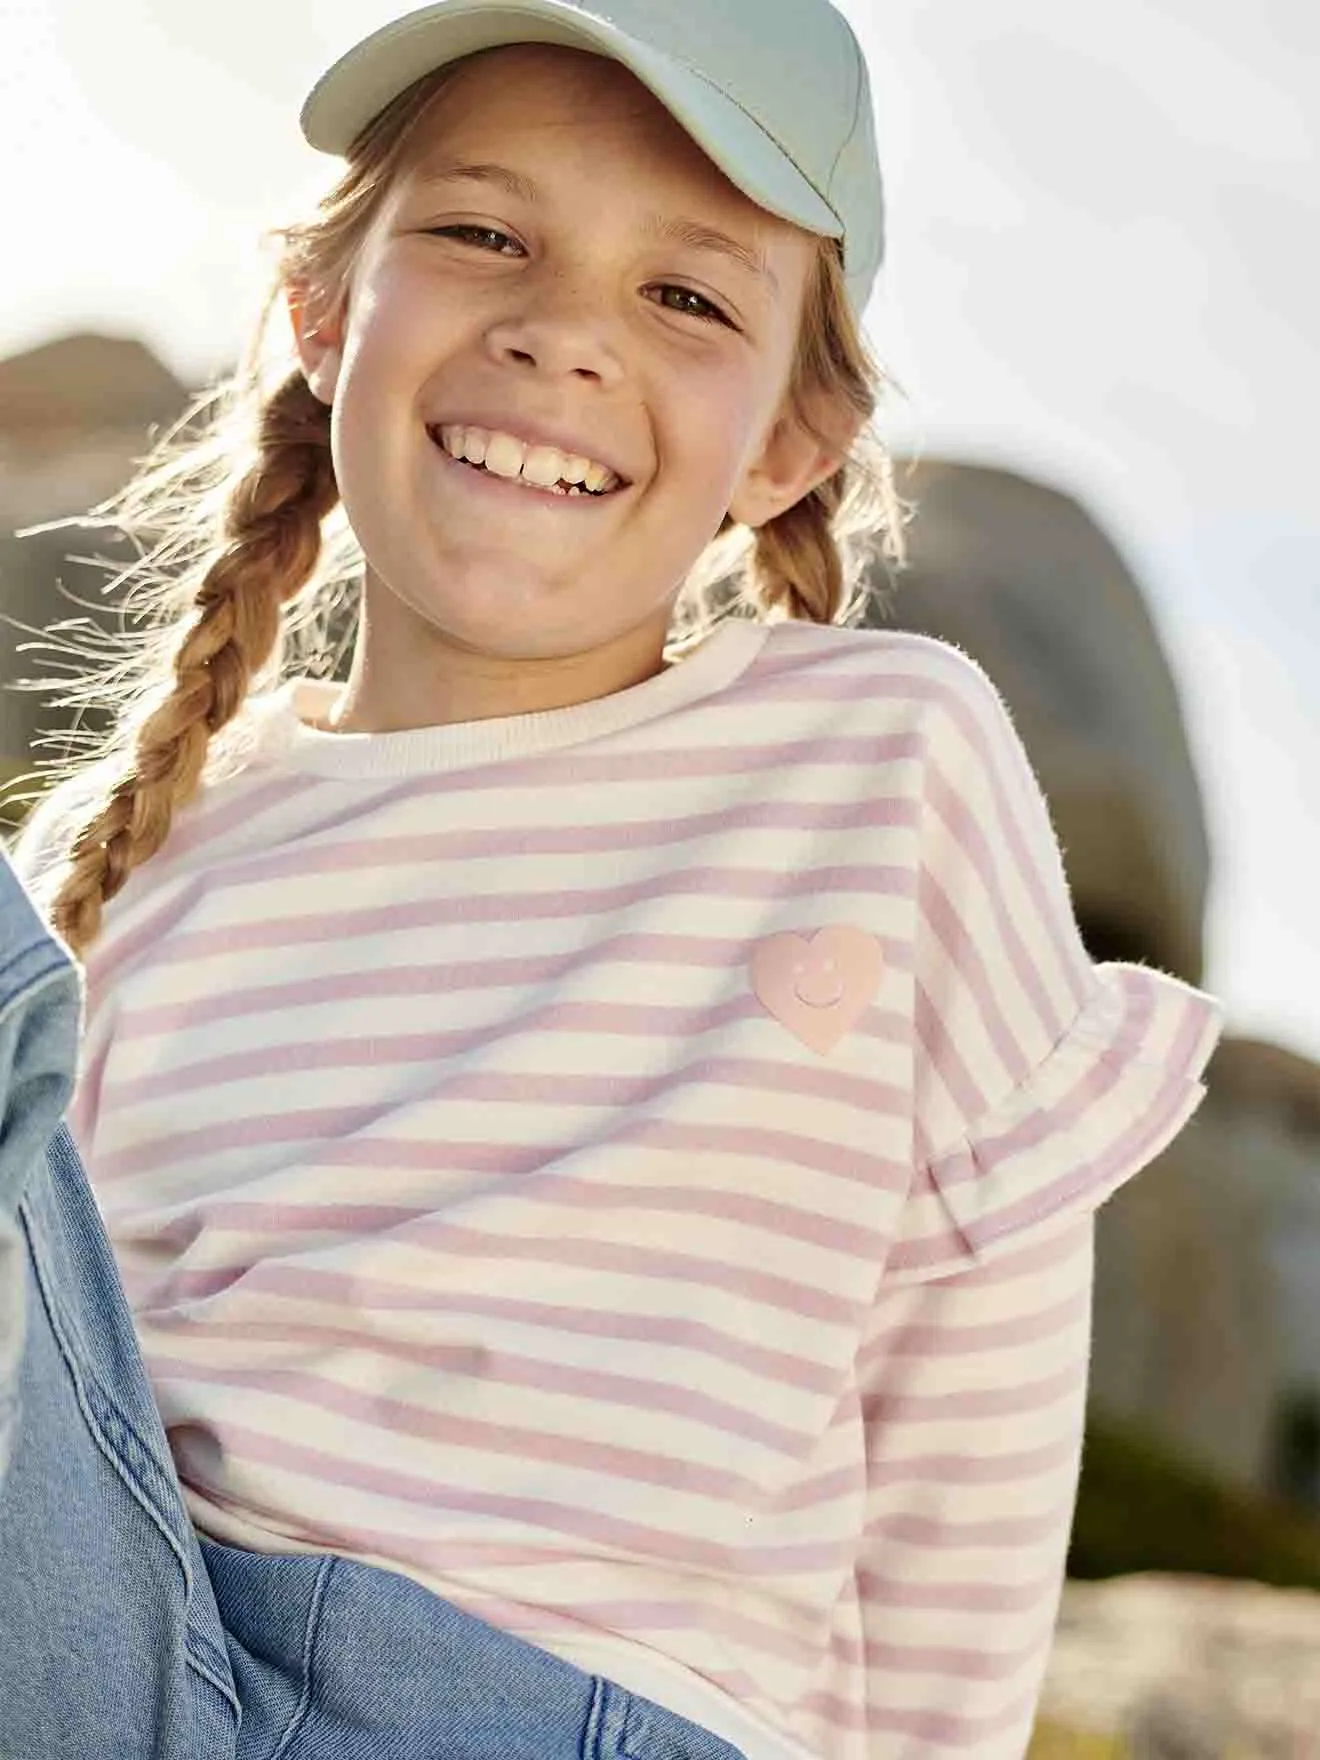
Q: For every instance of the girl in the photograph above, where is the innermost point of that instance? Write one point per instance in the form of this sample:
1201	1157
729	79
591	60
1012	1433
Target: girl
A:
600	1113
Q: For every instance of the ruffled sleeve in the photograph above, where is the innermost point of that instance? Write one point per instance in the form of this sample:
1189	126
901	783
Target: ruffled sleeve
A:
1043	1080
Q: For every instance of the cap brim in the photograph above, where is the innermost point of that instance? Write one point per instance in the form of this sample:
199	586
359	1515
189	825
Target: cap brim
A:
362	82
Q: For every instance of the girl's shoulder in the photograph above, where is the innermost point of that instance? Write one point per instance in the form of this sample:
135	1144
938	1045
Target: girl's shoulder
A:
906	666
872	644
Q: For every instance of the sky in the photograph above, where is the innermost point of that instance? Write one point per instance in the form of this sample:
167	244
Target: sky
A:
1103	270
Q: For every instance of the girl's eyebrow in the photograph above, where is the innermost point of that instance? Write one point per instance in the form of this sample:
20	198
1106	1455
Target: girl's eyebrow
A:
696	234
442	170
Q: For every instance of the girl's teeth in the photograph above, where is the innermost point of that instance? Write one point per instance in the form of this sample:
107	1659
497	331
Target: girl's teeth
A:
539	467
544	465
504	455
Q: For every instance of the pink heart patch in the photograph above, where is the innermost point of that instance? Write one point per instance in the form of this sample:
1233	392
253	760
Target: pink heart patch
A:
817	987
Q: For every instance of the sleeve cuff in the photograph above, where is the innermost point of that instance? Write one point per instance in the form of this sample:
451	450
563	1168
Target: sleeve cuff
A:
1109	1097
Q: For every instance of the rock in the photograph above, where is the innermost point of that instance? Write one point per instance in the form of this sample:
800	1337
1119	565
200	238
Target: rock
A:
82	384
75	416
1184	1668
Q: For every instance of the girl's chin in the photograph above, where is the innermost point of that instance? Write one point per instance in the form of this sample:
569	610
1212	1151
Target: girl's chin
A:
495	603
494	599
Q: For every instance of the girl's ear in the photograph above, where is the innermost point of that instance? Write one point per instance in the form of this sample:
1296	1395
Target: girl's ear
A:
320	341
791	463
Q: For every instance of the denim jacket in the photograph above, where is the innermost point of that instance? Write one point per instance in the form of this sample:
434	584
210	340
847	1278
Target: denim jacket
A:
40	1017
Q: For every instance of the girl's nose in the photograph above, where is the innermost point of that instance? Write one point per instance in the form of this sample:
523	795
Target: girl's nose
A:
558	340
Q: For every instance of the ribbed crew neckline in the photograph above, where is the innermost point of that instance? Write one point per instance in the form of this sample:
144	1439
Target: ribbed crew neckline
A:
281	719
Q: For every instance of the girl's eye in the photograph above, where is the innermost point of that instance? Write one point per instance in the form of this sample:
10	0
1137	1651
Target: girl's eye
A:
692	305
486	238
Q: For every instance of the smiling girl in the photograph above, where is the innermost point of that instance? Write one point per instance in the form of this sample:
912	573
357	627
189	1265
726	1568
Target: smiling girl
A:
595	1107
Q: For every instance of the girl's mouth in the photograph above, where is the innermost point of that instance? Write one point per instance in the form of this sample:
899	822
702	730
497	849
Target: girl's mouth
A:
543	469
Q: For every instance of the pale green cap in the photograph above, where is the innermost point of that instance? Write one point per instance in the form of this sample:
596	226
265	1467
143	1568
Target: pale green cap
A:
774	91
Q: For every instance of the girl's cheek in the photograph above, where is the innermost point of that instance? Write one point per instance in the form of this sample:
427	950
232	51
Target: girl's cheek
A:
729	427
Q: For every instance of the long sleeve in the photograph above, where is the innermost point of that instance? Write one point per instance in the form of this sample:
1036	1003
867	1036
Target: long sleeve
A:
1042	1081
974	1397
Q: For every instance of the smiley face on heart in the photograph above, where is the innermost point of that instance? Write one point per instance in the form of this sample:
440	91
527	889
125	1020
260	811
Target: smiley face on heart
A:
817	985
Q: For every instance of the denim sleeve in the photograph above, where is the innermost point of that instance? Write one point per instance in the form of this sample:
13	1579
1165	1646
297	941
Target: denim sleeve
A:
40	1020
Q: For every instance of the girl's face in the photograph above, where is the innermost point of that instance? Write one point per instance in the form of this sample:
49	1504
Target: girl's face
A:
557	274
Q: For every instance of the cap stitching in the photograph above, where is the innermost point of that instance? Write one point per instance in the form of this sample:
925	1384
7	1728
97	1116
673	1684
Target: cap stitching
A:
732	98
847	139
849	240
754	118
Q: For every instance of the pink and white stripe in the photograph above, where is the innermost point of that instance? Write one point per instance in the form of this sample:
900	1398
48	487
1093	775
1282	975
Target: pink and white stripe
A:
481	1222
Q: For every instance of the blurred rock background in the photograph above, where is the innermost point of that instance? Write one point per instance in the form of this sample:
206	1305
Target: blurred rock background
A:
1190	1627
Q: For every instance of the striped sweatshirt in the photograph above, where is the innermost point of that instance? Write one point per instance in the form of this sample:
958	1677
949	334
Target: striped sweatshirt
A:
631	1168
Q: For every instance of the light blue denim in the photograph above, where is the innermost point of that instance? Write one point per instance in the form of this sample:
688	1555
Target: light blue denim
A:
124	1635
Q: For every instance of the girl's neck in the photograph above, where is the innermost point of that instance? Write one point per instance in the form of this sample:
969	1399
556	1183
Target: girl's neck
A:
407	674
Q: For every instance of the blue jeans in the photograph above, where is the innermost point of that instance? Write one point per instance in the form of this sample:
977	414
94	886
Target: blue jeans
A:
125	1635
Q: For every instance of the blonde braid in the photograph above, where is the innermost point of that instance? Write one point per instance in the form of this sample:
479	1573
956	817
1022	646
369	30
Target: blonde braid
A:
270	542
797	563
